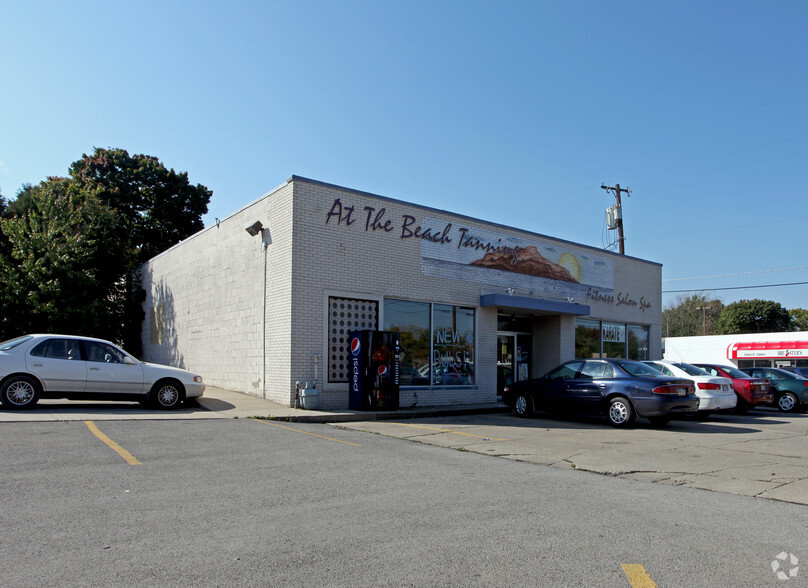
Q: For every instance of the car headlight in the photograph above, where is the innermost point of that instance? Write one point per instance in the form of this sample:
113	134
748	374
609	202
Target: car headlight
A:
198	379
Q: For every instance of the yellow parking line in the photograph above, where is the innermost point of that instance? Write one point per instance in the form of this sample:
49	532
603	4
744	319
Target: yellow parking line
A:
305	433
130	459
450	431
637	576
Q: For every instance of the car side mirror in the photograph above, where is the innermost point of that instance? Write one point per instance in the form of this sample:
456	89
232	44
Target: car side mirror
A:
129	361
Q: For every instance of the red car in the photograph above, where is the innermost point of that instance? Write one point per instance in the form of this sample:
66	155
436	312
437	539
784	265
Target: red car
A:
751	392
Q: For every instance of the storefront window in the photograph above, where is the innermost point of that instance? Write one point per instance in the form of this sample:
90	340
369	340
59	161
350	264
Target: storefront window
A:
452	345
638	336
587	338
438	352
411	320
614	340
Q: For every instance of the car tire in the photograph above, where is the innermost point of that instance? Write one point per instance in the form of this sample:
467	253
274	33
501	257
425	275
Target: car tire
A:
660	421
523	405
742	407
19	393
787	402
620	412
166	394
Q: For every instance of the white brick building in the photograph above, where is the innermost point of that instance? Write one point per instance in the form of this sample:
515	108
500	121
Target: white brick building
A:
476	303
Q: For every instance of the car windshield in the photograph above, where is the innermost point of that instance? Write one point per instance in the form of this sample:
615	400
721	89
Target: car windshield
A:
691	370
12	343
635	368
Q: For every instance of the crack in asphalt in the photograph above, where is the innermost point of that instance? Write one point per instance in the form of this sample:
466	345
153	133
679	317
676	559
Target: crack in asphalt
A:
665	476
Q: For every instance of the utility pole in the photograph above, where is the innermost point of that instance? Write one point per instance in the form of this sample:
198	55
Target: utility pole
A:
616	189
703	310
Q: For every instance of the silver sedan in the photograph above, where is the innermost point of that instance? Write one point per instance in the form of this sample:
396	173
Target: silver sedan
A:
64	366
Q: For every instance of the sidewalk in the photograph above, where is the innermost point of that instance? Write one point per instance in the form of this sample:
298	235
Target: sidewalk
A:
217	403
229	404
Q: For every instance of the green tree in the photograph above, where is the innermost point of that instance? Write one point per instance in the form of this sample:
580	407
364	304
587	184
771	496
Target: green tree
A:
799	319
114	211
158	207
690	316
61	273
23	201
753	316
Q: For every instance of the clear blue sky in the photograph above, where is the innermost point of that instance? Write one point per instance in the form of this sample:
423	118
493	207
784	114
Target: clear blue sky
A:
512	112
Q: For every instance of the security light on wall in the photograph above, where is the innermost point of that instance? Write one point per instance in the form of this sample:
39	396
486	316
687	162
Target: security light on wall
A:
254	228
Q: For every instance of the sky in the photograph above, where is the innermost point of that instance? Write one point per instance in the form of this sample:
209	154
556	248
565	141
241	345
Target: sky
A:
514	112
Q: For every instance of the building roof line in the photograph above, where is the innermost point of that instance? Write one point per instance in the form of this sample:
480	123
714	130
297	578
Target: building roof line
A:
295	178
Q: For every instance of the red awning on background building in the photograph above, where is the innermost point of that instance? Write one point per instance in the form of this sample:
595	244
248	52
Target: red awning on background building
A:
768	350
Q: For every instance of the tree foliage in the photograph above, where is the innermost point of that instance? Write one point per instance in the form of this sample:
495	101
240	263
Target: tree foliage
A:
753	316
157	206
63	268
23	201
70	247
691	316
799	319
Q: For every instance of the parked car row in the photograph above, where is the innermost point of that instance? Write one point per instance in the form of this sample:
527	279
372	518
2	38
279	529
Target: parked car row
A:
657	390
750	391
63	366
790	390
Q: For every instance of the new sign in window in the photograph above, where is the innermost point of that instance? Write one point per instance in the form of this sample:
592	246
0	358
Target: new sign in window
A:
437	342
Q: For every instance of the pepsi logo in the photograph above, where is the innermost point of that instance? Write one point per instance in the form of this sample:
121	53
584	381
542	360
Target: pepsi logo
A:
355	346
382	371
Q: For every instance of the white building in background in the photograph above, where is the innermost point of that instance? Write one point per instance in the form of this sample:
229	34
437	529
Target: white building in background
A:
742	351
477	303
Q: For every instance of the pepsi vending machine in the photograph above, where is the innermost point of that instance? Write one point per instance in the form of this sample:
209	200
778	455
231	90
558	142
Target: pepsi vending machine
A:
373	372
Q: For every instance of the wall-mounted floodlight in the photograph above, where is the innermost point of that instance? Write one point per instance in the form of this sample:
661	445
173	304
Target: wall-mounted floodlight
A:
254	228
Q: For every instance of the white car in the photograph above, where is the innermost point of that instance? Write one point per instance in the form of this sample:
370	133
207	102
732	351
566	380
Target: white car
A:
714	392
63	366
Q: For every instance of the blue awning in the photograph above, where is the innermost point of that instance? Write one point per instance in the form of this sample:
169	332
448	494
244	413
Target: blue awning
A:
533	305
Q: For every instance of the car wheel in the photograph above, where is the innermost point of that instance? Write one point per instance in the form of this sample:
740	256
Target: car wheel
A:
19	392
742	407
166	395
660	421
621	413
787	402
523	405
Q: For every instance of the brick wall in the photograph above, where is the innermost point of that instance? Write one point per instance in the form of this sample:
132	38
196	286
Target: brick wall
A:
206	308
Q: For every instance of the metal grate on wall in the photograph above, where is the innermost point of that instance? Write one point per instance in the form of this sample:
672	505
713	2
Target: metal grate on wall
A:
344	316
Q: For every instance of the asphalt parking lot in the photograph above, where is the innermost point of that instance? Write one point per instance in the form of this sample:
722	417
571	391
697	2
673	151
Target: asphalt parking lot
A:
763	453
257	502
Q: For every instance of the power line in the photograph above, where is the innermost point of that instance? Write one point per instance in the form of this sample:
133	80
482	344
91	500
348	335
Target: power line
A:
787	269
733	288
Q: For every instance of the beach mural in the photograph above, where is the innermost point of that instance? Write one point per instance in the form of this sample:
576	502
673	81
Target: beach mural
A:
530	267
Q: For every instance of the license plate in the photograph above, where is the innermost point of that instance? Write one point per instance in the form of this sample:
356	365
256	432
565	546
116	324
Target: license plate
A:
725	387
682	391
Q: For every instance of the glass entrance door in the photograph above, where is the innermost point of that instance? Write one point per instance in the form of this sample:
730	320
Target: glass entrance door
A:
505	360
514	351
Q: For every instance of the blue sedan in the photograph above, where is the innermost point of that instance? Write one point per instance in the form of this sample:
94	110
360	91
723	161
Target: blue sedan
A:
622	389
